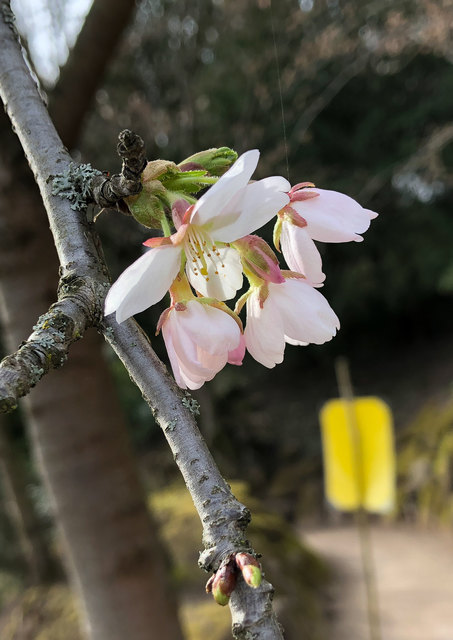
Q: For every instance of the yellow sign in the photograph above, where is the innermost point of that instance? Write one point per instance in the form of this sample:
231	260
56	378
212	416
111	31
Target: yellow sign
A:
359	457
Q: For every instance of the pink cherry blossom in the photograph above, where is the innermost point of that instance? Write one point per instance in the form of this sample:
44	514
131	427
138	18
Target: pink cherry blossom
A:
200	339
292	312
230	209
317	214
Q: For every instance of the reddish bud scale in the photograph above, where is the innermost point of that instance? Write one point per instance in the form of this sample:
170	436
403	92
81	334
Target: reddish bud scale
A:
299	196
250	568
209	584
190	166
224	583
243	559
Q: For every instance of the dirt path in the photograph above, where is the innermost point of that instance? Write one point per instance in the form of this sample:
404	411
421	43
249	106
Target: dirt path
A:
415	582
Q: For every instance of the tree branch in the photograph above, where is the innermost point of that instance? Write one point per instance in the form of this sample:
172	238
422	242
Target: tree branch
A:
47	347
224	519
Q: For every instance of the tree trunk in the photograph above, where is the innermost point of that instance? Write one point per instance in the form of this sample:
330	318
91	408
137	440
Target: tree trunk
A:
39	566
114	557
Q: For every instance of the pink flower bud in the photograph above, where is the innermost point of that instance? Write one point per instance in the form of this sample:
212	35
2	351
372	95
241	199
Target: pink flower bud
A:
258	259
250	568
224	583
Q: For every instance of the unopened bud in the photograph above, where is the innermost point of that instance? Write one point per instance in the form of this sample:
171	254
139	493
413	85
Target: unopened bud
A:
157	168
214	161
252	575
224	583
147	207
258	259
250	568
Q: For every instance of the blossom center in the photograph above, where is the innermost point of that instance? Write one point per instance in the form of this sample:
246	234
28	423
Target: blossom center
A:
202	252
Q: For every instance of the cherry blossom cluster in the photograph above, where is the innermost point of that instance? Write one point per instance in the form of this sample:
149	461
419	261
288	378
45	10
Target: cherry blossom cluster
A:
207	249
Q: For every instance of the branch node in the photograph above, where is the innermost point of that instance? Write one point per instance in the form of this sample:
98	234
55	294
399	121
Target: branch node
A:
108	191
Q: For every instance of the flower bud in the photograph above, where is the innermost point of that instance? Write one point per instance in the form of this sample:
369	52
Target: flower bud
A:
258	259
224	583
214	161
252	575
148	206
250	568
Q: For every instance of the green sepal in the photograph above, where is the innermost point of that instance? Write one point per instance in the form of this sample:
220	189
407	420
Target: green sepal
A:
215	161
277	233
187	182
148	207
241	302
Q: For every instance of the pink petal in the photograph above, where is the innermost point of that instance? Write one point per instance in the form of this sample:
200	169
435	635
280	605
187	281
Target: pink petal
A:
334	217
211	329
301	253
198	341
166	333
236	356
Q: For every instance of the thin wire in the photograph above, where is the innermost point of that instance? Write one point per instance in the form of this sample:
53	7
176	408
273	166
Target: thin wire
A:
282	109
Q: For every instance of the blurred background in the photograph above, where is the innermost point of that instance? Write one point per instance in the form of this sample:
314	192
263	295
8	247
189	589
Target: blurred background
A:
355	96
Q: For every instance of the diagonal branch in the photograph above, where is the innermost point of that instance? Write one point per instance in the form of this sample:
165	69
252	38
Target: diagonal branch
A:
224	519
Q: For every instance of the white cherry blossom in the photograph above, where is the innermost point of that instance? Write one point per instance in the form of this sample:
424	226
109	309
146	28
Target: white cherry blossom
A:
318	214
292	312
230	209
199	339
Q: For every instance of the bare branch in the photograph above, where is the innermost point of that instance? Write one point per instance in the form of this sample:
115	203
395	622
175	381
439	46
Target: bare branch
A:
108	191
47	347
224	519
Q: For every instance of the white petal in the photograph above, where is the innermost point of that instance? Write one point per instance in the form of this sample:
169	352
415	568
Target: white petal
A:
186	350
301	253
144	283
264	335
225	188
296	343
334	217
198	340
211	329
223	284
306	314
166	333
251	208
212	362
